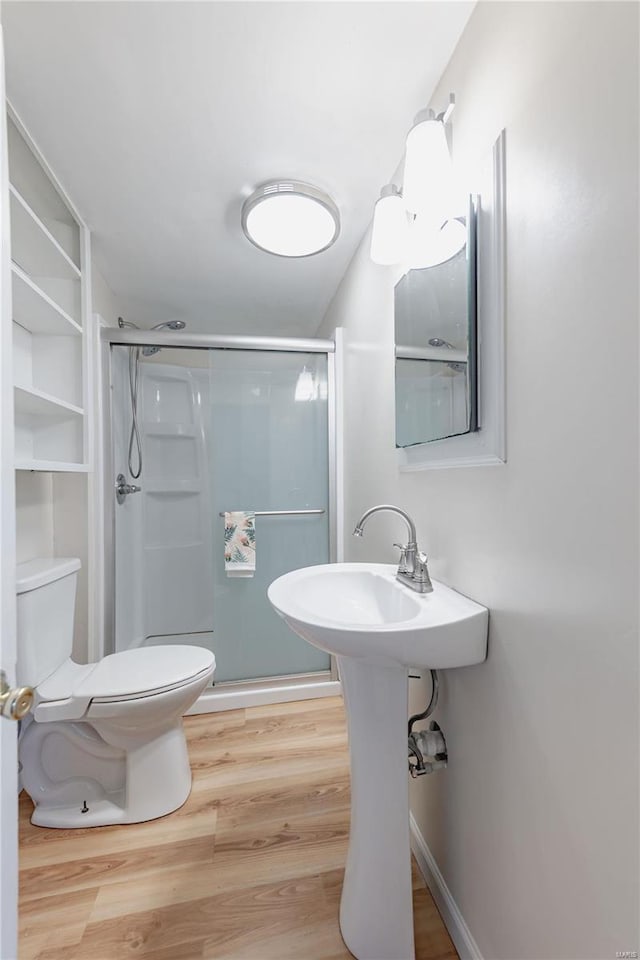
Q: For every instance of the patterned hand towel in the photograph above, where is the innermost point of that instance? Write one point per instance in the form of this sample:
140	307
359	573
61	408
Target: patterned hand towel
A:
240	543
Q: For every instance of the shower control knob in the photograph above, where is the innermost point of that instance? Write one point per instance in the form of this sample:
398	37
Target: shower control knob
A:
123	489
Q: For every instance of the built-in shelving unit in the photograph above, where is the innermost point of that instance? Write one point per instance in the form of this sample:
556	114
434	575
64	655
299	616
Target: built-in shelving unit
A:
36	312
52	369
29	400
49	466
48	244
34	248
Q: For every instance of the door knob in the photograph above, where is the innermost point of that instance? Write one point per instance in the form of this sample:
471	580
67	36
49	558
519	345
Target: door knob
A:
15	702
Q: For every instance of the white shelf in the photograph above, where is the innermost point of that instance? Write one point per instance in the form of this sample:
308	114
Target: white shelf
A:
34	184
34	248
34	310
29	400
171	488
152	428
50	466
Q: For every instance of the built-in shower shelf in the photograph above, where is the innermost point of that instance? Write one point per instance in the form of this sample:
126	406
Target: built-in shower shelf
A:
154	429
174	487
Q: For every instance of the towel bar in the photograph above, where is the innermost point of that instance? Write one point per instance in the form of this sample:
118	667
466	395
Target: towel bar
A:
280	513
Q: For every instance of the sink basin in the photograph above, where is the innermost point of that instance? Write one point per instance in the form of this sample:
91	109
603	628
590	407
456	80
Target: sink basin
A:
378	628
361	610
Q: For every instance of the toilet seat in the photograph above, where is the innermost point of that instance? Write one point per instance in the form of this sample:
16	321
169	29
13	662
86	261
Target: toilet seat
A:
119	677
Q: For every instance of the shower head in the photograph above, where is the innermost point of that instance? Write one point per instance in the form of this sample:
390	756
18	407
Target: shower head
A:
170	325
167	325
439	342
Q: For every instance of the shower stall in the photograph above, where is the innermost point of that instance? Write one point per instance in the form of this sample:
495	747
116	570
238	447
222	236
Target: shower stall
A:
197	426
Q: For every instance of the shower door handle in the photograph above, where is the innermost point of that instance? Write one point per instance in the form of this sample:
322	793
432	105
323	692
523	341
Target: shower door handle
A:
123	489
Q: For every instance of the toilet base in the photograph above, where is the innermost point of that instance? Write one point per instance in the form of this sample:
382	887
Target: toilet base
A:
156	775
100	814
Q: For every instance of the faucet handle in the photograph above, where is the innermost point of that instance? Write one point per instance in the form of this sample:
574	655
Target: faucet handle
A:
402	564
421	572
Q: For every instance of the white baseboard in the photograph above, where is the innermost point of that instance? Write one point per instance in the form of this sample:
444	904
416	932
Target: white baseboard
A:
454	921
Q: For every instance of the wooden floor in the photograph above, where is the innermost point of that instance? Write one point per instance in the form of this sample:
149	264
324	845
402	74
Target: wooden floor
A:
249	869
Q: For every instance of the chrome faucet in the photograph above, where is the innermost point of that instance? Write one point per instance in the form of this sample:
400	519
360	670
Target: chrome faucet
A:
412	569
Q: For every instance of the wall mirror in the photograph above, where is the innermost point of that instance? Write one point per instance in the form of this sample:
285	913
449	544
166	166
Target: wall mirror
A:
436	369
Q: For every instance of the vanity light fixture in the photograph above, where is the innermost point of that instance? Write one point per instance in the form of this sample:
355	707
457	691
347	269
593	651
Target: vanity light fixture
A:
290	218
429	247
428	172
419	226
390	232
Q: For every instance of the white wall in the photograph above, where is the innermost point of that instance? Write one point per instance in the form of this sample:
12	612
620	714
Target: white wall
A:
535	823
103	299
34	515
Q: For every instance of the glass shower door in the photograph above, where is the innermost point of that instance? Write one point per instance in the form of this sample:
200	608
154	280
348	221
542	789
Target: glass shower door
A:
268	452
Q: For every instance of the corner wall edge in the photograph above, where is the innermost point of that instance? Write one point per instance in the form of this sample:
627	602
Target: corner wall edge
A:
449	911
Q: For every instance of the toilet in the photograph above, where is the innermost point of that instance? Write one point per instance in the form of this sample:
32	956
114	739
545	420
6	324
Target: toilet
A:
105	744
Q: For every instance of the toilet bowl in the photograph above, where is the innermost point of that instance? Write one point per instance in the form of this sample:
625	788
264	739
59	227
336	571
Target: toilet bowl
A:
105	744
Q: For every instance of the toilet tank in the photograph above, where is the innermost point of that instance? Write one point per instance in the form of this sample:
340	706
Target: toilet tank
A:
46	596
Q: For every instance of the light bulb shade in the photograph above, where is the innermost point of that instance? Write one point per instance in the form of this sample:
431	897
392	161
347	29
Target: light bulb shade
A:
390	233
431	247
428	175
290	219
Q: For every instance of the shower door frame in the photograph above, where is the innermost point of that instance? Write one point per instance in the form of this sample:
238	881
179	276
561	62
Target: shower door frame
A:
231	694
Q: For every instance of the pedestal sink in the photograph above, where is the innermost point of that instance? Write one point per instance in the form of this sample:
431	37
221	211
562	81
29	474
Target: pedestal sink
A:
378	628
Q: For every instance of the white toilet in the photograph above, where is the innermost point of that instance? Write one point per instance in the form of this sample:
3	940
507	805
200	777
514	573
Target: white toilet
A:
106	743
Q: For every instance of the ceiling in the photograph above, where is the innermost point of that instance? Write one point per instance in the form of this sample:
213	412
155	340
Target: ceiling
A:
160	118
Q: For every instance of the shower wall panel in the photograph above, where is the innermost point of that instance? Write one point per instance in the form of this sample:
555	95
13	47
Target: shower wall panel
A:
164	569
177	505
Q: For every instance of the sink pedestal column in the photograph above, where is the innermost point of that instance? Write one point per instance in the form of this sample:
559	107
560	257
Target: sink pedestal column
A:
376	911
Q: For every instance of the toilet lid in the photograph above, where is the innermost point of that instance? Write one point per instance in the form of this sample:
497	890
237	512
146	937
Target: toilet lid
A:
144	670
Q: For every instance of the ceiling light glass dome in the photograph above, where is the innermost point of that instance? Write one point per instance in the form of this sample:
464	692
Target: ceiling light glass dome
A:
290	219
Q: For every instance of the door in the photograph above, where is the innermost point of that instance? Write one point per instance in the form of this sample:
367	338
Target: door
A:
8	729
221	430
269	454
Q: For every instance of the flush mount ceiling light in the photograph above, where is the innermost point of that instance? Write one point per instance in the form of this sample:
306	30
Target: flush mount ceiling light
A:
290	219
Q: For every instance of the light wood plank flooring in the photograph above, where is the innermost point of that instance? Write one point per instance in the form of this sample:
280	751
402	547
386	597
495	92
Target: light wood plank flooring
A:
250	868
